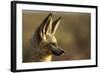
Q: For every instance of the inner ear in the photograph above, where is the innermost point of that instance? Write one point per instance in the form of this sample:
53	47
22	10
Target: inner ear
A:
44	27
48	26
55	25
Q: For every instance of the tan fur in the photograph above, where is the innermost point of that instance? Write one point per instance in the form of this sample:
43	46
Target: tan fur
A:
47	58
44	43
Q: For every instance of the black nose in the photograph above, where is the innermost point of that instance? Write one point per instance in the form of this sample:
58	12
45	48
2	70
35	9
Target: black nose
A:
57	51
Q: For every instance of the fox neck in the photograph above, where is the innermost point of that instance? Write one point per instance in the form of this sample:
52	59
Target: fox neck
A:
46	58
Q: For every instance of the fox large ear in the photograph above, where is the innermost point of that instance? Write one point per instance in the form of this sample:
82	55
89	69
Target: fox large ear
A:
46	25
55	25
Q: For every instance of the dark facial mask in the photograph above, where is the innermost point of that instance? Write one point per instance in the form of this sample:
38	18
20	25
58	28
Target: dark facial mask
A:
55	51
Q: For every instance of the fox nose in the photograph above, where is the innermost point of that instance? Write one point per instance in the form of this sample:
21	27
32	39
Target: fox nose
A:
57	51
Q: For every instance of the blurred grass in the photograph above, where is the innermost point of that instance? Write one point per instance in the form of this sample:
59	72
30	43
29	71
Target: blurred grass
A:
73	33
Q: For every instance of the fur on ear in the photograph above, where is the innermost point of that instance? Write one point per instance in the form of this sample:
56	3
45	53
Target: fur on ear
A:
55	25
46	25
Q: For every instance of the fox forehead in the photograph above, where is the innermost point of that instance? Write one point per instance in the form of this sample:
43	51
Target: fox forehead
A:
50	38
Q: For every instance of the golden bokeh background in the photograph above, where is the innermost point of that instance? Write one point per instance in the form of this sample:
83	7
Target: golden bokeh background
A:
73	33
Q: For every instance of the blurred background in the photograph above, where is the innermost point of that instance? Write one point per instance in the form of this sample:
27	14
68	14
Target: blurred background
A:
73	33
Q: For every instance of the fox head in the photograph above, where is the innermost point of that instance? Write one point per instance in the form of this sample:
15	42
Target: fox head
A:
46	36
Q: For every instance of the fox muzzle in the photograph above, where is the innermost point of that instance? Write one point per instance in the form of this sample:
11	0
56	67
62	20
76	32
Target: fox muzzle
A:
56	51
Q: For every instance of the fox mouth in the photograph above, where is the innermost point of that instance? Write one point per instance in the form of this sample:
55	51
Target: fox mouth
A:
56	51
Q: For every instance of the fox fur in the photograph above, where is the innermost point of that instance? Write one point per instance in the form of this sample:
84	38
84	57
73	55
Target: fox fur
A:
44	43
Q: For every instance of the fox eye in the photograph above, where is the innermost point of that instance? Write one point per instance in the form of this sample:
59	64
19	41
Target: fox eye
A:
53	44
